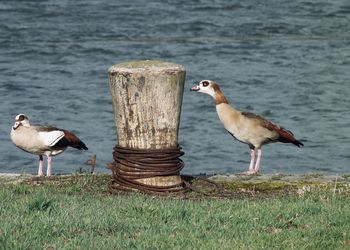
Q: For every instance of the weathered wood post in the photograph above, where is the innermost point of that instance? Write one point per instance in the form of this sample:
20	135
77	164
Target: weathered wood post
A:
147	98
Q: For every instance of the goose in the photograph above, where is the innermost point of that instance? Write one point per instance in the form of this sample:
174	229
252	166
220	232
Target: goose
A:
43	140
246	127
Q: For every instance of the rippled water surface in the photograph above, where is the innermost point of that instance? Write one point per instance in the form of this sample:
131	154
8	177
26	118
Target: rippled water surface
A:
286	60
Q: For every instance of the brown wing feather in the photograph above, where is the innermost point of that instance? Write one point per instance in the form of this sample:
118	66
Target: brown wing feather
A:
73	140
69	140
285	136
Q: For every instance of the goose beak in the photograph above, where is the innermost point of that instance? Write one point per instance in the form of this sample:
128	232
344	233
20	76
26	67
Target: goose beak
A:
16	125
195	88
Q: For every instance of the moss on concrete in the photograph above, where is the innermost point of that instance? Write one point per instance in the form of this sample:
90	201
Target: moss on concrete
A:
219	186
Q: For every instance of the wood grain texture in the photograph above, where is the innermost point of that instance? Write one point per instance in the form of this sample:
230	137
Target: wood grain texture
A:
147	99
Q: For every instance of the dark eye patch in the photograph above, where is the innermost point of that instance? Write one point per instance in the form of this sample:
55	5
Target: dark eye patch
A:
205	83
22	117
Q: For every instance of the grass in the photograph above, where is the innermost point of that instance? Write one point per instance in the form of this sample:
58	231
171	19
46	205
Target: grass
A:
78	213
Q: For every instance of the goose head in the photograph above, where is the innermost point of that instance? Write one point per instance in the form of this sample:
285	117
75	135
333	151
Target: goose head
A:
21	120
210	88
206	86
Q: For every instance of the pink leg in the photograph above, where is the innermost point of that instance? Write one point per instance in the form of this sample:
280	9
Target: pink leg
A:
251	165
48	173
40	170
257	163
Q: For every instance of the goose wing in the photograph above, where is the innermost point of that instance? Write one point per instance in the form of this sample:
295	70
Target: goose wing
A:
284	135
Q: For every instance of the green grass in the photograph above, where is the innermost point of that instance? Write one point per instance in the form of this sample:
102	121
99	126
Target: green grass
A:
79	213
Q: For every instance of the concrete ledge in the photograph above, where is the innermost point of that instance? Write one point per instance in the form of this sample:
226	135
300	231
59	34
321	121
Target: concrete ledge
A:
311	177
229	182
12	178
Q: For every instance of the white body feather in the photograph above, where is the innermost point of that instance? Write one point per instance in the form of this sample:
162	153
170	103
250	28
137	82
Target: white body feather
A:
39	143
51	138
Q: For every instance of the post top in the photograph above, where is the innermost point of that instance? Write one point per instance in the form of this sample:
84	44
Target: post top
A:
145	65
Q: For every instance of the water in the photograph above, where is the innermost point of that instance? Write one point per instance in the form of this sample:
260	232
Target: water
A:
286	60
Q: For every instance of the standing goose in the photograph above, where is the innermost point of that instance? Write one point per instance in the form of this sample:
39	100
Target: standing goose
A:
246	127
43	140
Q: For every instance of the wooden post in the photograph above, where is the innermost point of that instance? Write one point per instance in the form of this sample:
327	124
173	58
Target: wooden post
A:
147	98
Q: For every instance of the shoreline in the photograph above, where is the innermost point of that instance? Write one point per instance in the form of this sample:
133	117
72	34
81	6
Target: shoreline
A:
230	178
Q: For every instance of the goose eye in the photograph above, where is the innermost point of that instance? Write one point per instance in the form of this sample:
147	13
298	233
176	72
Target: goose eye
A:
205	83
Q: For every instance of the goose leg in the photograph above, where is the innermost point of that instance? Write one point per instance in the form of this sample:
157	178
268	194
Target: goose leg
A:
251	165
49	158
257	163
40	170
